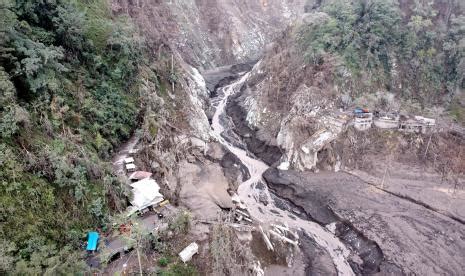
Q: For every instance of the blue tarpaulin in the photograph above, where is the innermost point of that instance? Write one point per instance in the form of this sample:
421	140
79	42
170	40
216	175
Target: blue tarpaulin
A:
92	241
359	110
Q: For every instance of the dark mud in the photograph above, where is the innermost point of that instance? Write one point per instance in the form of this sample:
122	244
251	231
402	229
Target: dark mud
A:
216	79
233	169
316	206
267	153
389	234
222	76
421	203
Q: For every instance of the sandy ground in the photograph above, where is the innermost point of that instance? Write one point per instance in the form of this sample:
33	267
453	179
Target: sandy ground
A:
203	189
416	239
419	185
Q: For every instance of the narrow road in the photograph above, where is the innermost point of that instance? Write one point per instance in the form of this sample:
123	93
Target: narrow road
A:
123	152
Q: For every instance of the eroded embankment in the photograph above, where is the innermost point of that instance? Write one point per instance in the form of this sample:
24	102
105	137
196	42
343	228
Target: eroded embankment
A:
367	250
270	154
250	191
316	207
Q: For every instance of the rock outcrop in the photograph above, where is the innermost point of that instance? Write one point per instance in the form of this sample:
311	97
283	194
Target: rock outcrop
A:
212	33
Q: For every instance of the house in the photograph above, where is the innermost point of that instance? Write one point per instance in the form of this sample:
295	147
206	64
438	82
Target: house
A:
146	193
387	121
417	124
128	160
187	253
130	167
363	120
426	121
129	164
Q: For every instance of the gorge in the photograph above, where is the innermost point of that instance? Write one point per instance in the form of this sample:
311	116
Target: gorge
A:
243	112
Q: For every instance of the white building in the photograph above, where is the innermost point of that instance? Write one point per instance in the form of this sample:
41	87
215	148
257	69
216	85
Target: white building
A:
146	193
363	121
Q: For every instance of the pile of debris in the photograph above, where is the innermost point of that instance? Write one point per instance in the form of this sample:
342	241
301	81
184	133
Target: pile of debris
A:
282	233
240	211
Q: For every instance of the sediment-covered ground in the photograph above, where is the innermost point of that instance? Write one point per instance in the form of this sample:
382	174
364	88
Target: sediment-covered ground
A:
413	239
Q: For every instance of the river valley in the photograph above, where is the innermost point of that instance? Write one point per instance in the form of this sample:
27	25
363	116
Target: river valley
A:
250	192
354	246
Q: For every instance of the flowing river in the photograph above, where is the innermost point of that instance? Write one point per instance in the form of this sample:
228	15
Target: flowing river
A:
249	191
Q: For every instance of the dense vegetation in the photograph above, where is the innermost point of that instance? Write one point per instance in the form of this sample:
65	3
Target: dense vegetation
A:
68	96
413	51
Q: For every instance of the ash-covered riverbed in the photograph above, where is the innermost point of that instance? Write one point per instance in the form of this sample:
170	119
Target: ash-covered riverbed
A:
363	230
254	193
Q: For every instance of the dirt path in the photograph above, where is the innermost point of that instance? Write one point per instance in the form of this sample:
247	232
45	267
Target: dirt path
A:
122	153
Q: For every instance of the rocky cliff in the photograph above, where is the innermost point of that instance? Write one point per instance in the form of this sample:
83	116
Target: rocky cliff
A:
212	33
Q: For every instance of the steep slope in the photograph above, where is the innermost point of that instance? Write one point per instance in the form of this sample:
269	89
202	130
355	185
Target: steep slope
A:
315	75
77	78
69	79
211	33
75	82
296	109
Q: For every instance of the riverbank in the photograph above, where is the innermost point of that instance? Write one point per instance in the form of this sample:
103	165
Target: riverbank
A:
412	238
259	201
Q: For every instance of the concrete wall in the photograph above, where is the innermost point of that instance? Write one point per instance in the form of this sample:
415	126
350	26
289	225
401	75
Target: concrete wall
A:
386	123
363	123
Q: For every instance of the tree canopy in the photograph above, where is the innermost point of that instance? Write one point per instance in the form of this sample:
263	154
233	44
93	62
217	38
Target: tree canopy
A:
69	94
418	56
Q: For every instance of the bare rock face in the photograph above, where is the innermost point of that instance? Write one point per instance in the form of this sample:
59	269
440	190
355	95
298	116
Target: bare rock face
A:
211	33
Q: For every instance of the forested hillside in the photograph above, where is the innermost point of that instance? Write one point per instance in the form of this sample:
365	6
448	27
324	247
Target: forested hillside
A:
415	49
69	96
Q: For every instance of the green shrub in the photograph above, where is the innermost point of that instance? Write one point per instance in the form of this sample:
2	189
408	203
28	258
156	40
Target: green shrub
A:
68	83
373	40
163	261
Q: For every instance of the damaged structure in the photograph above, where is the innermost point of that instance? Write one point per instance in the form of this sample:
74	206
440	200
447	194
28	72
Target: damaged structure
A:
363	120
386	120
417	124
146	193
279	232
240	212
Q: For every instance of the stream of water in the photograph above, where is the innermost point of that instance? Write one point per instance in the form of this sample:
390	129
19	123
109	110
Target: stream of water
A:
250	193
